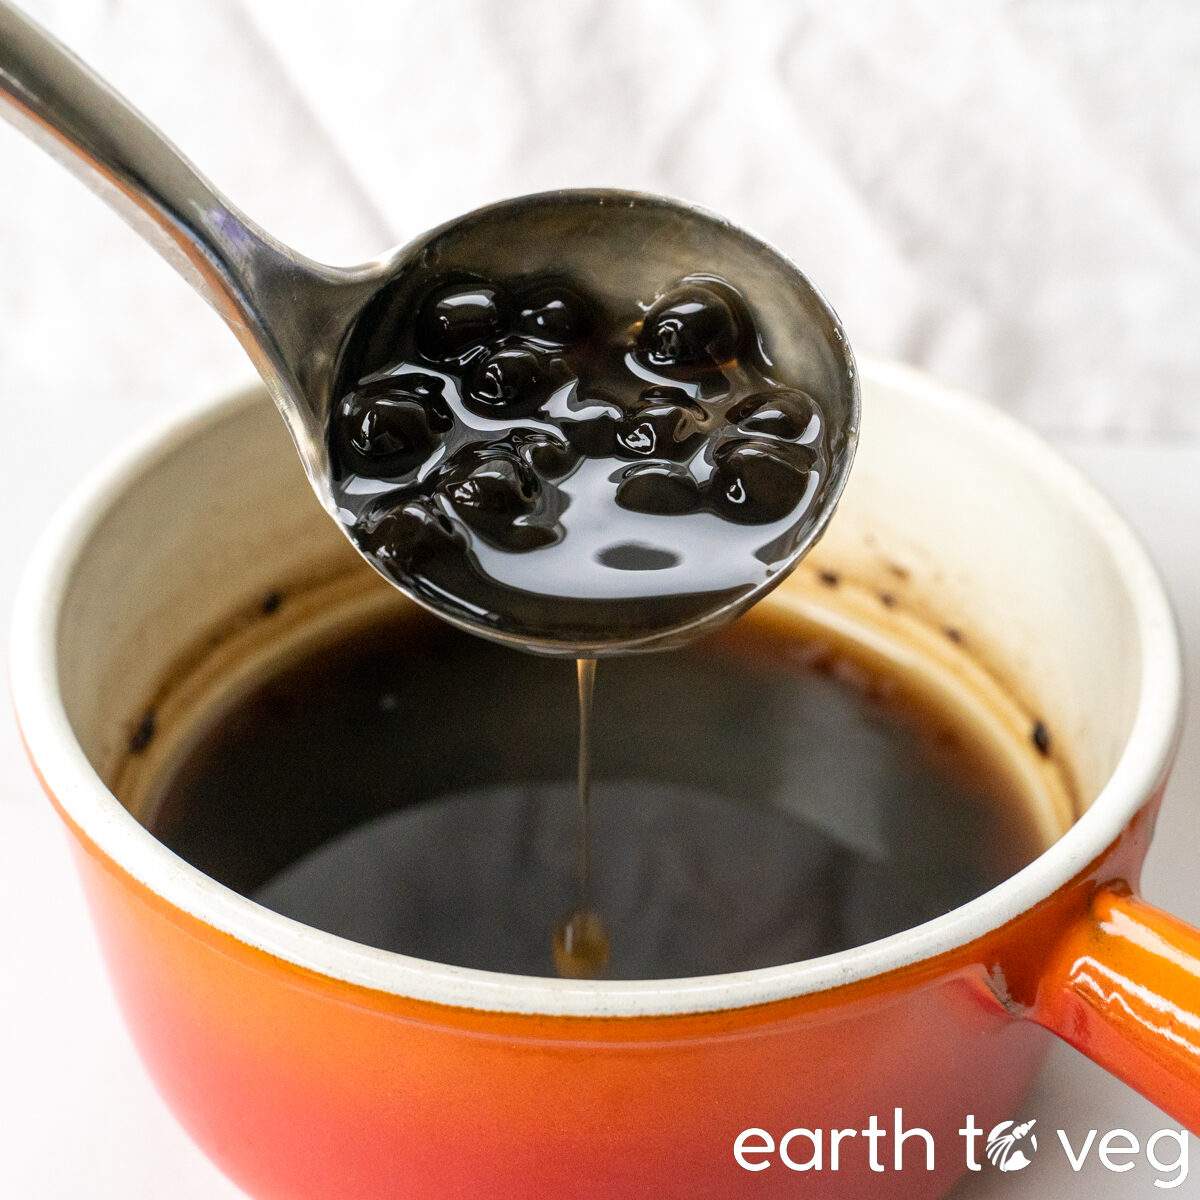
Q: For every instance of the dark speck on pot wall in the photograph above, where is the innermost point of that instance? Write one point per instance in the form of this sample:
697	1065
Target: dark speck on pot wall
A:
143	735
1040	736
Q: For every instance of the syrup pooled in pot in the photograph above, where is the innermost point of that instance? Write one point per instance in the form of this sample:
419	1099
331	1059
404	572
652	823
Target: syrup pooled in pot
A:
560	468
409	786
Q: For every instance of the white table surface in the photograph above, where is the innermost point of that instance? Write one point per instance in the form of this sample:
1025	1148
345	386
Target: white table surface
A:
79	1120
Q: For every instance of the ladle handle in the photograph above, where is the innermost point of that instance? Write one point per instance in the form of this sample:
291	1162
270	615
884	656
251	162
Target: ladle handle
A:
256	284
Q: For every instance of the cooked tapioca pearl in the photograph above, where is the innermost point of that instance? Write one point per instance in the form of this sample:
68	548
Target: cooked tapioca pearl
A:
554	315
548	456
512	382
658	488
756	482
496	484
391	427
594	435
420	386
783	413
408	536
660	429
491	493
660	394
692	326
457	319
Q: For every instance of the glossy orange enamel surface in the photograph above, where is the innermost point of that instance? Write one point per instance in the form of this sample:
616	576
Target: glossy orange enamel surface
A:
1124	987
301	1086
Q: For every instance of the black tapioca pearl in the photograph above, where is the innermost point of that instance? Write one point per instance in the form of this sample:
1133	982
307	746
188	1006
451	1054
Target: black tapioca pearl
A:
553	314
407	536
783	413
390	427
514	381
754	482
549	457
663	394
427	388
519	536
664	423
659	430
693	326
491	481
638	438
496	494
457	319
658	488
594	437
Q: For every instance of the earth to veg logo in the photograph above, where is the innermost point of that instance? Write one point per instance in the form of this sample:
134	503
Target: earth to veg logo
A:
1008	1146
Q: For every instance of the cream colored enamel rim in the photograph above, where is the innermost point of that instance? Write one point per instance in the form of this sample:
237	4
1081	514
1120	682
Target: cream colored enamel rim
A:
102	819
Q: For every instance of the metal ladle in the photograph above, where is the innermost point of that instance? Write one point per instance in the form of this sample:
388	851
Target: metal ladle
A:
294	316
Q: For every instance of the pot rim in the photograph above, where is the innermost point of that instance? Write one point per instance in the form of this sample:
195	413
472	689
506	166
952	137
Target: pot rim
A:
99	816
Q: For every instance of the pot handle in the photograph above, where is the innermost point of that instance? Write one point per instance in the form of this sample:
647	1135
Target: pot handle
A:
1124	988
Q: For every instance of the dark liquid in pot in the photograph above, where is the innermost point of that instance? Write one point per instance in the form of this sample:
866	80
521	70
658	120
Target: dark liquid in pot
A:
412	787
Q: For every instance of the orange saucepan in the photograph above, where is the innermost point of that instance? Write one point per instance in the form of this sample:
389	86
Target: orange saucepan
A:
308	1066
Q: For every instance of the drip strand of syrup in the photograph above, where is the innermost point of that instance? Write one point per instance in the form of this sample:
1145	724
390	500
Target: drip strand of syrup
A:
581	943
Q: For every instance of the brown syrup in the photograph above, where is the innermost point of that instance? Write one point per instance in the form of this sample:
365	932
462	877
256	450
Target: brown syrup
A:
735	804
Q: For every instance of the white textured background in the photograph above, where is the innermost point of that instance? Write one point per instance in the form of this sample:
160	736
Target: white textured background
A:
1005	193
